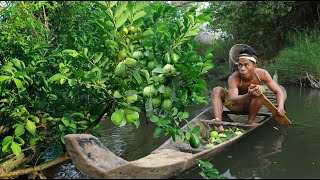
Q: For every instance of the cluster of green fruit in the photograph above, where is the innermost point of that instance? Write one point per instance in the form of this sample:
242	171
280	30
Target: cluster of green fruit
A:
171	58
130	62
124	115
218	138
160	97
129	30
163	100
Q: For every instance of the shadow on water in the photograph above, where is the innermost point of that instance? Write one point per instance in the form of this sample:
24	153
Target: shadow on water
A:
272	151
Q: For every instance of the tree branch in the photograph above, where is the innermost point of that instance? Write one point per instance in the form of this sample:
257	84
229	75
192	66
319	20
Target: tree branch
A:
36	168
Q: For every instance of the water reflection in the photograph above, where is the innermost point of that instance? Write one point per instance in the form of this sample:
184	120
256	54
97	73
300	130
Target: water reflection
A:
249	158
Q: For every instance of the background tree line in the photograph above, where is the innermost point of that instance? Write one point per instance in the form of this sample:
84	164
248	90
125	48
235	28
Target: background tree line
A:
284	33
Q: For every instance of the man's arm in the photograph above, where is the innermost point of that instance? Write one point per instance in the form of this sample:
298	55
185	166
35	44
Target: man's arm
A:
273	86
235	98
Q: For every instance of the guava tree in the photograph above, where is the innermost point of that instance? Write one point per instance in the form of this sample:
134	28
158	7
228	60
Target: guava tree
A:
114	60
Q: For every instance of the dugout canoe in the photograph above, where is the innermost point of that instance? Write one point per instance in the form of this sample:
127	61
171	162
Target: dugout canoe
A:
90	156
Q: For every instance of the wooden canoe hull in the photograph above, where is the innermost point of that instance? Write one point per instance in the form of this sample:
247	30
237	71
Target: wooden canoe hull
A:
91	157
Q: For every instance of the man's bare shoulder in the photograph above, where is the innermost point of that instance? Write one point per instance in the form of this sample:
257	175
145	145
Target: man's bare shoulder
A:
263	74
234	78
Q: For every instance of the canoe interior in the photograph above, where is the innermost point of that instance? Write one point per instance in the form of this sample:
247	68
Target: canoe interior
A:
239	119
262	117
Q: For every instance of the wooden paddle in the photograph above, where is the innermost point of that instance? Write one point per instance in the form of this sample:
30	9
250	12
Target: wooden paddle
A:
281	119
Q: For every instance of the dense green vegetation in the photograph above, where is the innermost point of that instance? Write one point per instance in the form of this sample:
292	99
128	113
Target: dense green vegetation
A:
298	62
281	32
65	66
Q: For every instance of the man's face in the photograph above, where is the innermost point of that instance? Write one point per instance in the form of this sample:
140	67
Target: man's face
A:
246	68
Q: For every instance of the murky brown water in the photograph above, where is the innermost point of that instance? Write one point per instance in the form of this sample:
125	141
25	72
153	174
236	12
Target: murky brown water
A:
273	151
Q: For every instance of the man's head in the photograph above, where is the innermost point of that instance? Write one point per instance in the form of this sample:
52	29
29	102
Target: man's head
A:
247	62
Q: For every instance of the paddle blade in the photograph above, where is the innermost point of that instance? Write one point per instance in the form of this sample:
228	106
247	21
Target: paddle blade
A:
281	119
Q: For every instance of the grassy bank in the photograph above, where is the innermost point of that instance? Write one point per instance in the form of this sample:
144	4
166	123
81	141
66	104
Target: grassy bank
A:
296	63
299	59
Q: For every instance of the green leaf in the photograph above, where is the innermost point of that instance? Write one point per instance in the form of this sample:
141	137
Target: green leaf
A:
139	5
19	131
116	94
137	123
18	63
174	111
62	137
33	141
138	78
76	115
70	52
5	147
139	15
52	97
205	69
73	125
120	8
21	141
108	25
8	69
145	73
109	13
147	32
16	148
188	135
172	133
62	128
130	92
18	83
196	129
97	57
121	20
157	132
185	115
102	4
3	78
57	77
191	33
112	3
191	18
154	118
65	122
31	127
7	140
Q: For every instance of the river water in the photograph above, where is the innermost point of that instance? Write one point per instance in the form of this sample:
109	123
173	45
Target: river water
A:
273	151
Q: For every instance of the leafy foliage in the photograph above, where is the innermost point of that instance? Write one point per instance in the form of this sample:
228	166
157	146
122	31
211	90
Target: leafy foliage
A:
299	58
56	80
208	171
259	24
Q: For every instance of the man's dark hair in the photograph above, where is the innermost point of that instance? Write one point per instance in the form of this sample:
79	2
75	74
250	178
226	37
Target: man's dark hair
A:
249	51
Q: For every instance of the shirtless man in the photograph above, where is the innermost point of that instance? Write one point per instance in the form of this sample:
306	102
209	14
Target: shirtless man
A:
244	89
